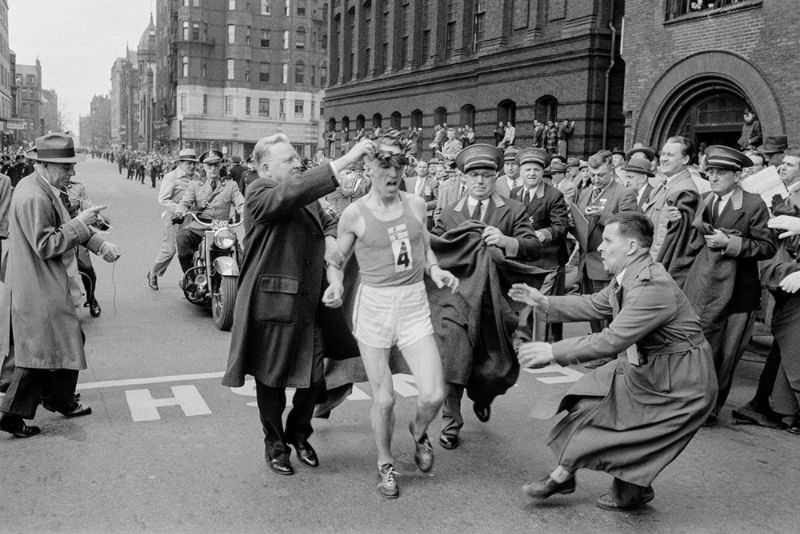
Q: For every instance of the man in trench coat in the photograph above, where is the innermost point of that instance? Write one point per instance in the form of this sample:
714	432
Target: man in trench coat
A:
276	335
634	415
44	288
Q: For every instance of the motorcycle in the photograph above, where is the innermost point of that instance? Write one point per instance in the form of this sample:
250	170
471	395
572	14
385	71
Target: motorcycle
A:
214	275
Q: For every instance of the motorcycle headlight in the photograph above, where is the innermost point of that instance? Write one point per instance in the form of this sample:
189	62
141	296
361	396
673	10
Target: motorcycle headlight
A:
224	238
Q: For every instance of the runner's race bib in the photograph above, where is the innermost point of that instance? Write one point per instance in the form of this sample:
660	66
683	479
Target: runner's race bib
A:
401	248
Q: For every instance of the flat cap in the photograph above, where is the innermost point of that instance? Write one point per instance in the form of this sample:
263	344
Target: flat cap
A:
557	166
479	156
723	157
533	155
645	151
511	153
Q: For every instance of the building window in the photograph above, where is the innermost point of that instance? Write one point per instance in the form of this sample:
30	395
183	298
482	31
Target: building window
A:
282	108
205	104
185	63
302	5
426	45
247	105
479	23
184	106
287	8
300	72
403	51
313	74
300	37
266	7
299	108
450	39
265	38
228	105
231	4
263	72
285	39
323	42
285	73
185	31
263	107
247	73
247	36
231	34
231	69
196	32
204	71
676	8
323	75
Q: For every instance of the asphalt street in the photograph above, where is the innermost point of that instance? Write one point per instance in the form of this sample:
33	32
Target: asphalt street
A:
168	449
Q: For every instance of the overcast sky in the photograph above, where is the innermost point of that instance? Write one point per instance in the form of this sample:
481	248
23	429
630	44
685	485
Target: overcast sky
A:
76	42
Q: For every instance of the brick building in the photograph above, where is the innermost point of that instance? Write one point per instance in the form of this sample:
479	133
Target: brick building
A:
230	72
420	63
29	106
693	67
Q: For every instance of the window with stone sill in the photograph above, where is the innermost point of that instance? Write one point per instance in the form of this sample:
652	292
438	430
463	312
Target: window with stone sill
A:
680	8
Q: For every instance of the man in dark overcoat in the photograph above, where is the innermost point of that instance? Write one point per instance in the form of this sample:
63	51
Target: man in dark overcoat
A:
549	216
507	227
276	335
723	282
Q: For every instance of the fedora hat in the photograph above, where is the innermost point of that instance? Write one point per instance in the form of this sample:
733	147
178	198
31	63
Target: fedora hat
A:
53	148
648	153
773	144
557	167
187	154
640	164
479	156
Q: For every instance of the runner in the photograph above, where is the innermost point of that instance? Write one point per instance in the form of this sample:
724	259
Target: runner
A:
387	230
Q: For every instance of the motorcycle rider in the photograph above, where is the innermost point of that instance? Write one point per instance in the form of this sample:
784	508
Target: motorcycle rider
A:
211	198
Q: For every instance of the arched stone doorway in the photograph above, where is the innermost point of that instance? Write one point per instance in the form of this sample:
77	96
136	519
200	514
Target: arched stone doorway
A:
692	82
707	109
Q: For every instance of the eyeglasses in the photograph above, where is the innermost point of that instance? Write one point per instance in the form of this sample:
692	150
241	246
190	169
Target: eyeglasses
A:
391	159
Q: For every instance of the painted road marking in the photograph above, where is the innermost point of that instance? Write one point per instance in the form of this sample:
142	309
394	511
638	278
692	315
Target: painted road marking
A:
144	407
563	375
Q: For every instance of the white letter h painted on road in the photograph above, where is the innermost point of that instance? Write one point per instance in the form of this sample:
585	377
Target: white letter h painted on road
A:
144	407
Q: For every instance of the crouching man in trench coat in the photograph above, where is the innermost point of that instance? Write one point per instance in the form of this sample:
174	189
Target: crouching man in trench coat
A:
44	288
634	415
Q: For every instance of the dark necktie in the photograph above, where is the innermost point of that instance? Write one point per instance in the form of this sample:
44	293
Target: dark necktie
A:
213	185
477	213
715	209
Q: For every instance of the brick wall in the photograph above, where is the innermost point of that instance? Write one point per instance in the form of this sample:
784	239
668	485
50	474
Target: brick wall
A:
762	34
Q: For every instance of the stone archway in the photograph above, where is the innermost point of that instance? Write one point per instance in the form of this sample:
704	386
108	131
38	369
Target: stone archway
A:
703	73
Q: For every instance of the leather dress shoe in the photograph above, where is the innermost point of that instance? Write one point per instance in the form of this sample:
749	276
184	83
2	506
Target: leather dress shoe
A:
78	411
750	414
482	411
152	281
17	428
306	453
711	421
607	502
281	464
94	309
449	441
547	487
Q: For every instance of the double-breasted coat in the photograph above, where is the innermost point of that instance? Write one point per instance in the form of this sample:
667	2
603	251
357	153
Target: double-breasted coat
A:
281	281
549	214
42	277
